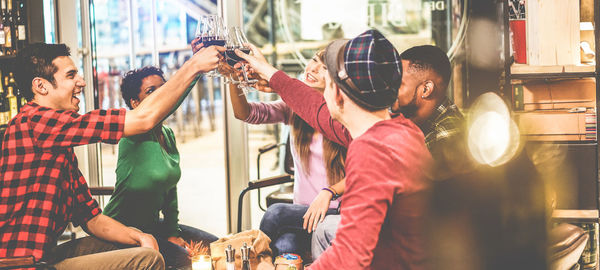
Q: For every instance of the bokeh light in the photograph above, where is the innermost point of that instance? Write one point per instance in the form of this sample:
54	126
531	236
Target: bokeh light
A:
493	137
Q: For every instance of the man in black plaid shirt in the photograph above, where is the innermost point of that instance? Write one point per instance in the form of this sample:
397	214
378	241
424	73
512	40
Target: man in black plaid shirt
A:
42	187
422	98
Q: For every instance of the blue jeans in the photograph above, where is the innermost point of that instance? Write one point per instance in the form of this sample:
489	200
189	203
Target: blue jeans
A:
324	235
283	224
176	257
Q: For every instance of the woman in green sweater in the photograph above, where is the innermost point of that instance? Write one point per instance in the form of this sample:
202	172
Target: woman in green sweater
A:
147	175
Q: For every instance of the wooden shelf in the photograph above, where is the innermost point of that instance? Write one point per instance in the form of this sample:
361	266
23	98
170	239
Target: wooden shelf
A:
519	71
572	142
7	57
568	214
527	69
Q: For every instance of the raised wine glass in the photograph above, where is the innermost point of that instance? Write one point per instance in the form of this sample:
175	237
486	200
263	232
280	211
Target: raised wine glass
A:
239	38
231	59
211	32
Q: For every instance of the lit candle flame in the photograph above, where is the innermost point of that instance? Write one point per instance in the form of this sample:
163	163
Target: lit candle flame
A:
201	262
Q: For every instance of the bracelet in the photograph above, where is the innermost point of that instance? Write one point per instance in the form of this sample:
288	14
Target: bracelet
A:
333	195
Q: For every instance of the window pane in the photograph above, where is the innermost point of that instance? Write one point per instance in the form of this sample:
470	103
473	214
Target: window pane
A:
197	123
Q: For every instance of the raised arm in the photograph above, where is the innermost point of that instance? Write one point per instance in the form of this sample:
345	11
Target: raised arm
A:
301	98
307	103
157	106
241	108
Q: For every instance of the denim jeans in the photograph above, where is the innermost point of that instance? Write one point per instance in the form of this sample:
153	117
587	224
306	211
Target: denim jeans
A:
283	224
324	235
176	257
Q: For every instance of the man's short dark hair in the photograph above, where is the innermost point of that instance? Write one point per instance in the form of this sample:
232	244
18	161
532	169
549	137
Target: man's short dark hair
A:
132	81
428	57
34	61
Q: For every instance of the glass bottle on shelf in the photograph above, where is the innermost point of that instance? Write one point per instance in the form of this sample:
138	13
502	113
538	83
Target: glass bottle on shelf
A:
2	34
7	18
4	109
12	99
16	91
20	31
589	256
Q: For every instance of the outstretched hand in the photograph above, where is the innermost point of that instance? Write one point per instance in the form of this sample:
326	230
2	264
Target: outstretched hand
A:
196	44
258	63
227	70
263	86
207	59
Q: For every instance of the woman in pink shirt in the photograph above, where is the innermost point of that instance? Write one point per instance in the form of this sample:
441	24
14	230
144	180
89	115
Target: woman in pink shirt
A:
318	163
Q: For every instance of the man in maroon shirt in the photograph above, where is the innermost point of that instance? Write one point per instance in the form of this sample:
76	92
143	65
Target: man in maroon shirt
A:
42	187
384	204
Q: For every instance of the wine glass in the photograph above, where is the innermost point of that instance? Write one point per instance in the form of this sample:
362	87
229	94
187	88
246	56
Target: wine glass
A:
210	31
229	60
239	41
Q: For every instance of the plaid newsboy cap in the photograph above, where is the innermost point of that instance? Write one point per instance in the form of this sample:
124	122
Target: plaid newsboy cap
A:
367	68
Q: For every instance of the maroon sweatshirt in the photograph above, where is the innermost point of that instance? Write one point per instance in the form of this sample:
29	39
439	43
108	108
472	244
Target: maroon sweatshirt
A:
382	218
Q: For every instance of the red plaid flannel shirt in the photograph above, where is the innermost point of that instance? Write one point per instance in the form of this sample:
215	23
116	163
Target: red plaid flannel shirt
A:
42	187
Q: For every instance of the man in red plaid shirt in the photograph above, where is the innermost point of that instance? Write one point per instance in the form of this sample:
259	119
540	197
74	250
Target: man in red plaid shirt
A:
42	187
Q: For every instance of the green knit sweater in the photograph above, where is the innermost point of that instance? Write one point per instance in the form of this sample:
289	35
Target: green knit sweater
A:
147	177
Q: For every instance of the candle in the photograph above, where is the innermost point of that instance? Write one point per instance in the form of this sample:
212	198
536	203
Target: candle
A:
201	262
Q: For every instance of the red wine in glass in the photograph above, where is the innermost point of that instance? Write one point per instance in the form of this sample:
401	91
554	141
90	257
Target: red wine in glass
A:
232	57
212	40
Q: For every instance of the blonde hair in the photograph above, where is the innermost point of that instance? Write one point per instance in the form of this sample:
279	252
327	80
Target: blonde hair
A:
334	155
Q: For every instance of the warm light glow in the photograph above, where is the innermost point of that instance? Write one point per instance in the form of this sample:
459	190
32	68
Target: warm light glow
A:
202	262
493	137
488	137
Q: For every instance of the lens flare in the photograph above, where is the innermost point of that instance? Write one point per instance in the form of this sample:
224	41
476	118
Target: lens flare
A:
493	137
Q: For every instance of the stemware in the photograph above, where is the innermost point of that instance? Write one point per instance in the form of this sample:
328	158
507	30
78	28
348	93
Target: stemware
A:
211	31
238	40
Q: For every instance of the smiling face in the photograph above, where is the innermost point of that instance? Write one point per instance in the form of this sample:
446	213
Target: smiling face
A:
62	95
149	85
312	74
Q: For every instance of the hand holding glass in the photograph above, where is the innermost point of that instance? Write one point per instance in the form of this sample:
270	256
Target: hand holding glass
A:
236	39
210	31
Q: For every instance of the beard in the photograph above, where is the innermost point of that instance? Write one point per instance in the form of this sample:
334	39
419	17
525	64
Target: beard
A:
409	111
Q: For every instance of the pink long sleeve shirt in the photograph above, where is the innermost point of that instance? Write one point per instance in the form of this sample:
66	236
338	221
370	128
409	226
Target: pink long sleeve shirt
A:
386	188
306	184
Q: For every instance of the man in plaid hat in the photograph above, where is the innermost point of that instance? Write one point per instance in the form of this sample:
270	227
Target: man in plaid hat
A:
384	203
42	187
421	98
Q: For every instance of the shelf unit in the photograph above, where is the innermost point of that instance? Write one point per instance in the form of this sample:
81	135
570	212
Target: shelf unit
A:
571	215
34	27
522	73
